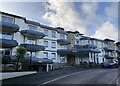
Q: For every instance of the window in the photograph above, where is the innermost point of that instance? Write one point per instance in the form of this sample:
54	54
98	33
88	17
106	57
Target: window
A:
62	46
53	45
6	51
33	54
45	55
31	27
53	34
53	56
46	32
6	36
77	42
77	35
30	41
62	36
7	19
46	43
62	58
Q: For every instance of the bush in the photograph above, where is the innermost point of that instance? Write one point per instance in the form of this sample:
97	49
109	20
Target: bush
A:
6	59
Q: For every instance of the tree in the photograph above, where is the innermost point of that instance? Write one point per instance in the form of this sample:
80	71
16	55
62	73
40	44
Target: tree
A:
20	52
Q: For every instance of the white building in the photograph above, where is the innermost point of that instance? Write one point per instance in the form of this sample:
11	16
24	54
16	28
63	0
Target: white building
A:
52	47
40	41
87	49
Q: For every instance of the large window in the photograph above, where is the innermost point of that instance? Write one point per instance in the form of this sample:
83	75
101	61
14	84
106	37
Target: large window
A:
62	36
45	55
6	36
62	58
7	19
53	56
31	27
30	41
46	43
53	45
29	54
5	51
77	42
53	34
46	32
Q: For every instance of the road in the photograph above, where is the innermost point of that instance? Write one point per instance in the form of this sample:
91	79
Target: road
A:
99	76
68	76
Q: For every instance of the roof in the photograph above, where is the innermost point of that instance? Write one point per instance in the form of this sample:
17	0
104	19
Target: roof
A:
26	21
47	27
12	15
59	28
74	32
109	40
89	38
32	22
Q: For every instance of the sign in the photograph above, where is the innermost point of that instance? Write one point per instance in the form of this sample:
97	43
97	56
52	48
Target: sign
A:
40	61
74	51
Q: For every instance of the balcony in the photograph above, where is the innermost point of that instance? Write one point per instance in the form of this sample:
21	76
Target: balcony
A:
108	49
32	47
76	51
87	46
8	27
63	41
37	61
6	43
32	34
109	56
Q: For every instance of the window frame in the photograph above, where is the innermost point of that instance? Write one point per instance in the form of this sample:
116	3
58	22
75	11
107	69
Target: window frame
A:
45	44
53	34
53	43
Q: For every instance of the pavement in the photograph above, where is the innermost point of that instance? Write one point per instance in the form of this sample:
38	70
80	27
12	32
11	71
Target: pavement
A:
66	76
8	75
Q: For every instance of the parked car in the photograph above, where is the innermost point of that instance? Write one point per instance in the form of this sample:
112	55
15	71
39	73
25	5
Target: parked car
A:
110	65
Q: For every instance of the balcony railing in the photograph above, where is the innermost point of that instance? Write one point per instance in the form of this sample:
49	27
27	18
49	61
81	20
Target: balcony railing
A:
109	56
6	43
32	47
9	27
108	49
32	34
63	41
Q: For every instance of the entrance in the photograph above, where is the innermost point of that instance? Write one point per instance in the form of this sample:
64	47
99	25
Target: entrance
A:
71	60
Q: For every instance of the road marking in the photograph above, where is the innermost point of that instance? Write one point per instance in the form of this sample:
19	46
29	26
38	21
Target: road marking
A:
64	77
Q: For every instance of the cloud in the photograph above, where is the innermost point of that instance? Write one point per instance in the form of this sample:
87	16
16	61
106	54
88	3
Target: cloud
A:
107	30
64	14
112	10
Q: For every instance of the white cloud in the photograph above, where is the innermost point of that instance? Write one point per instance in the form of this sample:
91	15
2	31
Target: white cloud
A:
107	30
112	10
89	11
63	14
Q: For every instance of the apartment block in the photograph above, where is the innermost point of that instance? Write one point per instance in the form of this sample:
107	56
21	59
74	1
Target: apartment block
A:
52	47
87	49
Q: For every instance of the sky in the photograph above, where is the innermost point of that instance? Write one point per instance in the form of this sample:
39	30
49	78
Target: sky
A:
94	19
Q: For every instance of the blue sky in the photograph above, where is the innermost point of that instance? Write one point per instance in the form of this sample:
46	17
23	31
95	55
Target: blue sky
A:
95	19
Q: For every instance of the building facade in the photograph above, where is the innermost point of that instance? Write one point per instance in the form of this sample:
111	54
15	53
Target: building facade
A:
89	50
40	41
52	47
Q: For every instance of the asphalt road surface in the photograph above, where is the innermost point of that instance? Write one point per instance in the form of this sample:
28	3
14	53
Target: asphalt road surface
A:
67	76
98	76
